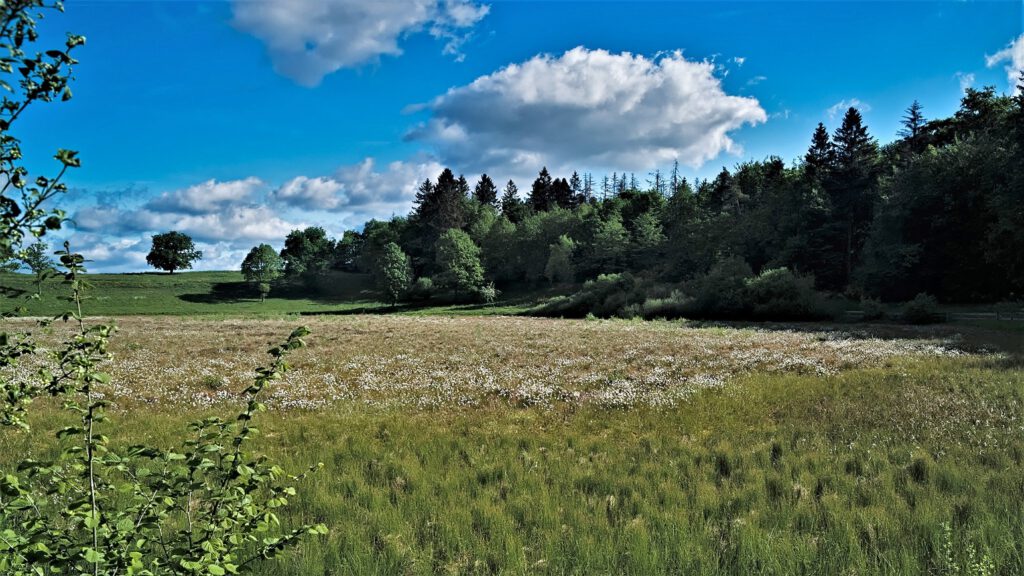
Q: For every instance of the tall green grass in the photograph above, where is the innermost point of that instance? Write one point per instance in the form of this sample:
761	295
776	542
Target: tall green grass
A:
774	474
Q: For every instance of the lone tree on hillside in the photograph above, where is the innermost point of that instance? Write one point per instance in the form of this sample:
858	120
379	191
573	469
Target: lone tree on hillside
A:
37	259
172	251
261	266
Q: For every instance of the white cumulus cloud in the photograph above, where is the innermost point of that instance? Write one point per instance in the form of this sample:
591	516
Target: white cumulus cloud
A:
588	108
209	196
360	190
309	39
320	193
1013	55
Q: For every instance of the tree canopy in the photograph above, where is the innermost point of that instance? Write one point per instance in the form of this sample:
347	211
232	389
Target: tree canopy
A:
937	211
173	251
262	265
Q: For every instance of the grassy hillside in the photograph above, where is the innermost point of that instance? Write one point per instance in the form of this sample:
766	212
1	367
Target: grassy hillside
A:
185	293
224	294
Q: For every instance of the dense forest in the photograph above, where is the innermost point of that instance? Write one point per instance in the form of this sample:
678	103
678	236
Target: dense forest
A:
939	211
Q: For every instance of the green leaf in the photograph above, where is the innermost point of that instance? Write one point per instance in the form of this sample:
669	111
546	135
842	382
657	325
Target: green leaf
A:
92	520
92	556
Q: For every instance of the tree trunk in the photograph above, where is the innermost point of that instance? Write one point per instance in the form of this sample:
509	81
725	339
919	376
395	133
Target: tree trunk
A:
849	251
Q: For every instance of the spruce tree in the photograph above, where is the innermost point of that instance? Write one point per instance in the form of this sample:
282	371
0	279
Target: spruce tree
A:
451	194
820	157
486	192
913	127
560	194
854	190
576	186
540	193
512	206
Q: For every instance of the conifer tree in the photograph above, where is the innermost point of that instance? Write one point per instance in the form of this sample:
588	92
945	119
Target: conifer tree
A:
512	206
576	187
540	193
854	189
486	192
820	157
560	194
913	127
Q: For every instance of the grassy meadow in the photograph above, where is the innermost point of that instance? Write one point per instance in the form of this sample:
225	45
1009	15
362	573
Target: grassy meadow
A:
462	445
223	294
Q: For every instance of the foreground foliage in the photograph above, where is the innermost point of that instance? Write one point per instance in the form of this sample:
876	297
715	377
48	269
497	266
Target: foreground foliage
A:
209	507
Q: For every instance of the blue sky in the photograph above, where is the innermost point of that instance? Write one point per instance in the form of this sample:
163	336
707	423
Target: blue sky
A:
237	121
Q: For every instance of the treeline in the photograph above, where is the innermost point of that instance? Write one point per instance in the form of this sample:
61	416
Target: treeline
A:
938	211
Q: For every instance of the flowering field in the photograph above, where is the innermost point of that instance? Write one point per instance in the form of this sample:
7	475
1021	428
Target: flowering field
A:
540	446
445	362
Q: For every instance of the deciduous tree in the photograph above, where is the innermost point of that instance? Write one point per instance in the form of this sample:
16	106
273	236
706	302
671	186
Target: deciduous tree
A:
394	273
262	265
458	262
173	251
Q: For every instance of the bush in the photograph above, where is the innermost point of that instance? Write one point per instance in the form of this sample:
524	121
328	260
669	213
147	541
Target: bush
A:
923	309
1009	310
721	293
673	306
871	309
727	291
778	294
487	293
607	295
422	289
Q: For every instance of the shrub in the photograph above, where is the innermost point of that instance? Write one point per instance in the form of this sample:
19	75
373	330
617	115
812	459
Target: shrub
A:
263	288
872	309
1009	310
721	293
673	306
923	309
487	293
422	288
605	296
778	294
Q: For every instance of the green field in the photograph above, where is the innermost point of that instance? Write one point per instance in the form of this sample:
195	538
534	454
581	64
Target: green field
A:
223	294
538	446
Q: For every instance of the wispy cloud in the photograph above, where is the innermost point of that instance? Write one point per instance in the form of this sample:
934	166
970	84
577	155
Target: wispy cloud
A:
966	80
835	110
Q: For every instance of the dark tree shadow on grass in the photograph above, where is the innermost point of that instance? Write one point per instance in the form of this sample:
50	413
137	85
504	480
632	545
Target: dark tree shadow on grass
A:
1008	338
223	293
